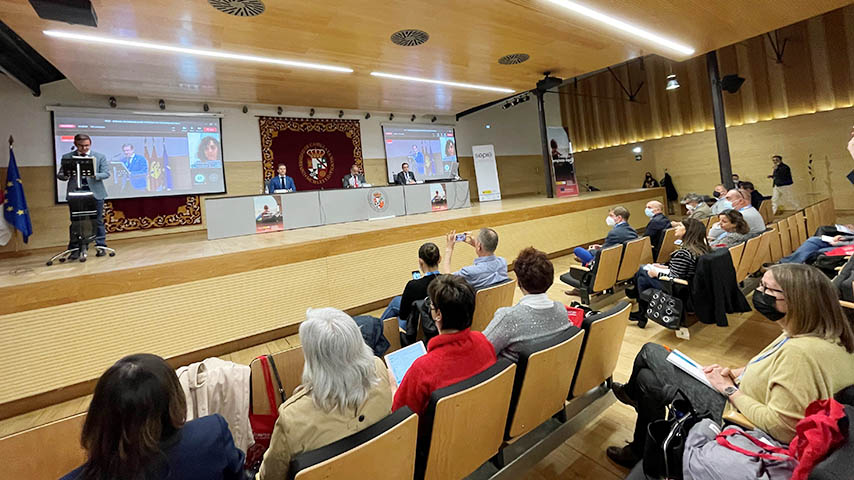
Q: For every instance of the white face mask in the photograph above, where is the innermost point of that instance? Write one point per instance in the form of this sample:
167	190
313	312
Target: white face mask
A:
689	207
610	221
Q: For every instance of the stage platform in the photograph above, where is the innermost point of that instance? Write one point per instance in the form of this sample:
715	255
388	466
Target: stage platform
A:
185	297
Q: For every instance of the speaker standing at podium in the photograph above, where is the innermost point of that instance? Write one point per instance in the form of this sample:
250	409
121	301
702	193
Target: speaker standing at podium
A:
96	184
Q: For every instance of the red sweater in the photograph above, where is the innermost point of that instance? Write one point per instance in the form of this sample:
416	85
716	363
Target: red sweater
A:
450	358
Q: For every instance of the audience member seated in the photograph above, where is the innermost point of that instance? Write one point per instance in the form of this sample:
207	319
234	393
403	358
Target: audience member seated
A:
535	316
697	208
456	354
812	360
739	201
735	230
722	203
401	305
135	428
620	233
756	198
487	269
658	223
344	390
682	264
815	246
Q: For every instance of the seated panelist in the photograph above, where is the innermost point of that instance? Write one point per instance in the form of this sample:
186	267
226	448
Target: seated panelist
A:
281	181
354	179
405	177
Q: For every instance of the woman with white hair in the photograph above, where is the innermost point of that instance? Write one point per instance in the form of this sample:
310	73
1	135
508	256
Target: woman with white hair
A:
345	389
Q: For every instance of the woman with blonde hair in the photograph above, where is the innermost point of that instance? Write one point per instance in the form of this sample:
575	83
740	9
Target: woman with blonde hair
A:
811	360
344	390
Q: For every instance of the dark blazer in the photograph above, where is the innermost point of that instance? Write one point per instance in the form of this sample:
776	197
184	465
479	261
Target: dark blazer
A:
782	175
345	182
202	450
400	178
620	234
655	231
96	183
276	184
715	291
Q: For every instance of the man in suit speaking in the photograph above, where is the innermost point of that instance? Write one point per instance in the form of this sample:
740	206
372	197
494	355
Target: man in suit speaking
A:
405	177
83	145
281	181
355	179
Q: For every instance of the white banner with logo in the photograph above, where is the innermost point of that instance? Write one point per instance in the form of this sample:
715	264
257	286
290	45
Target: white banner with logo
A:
486	172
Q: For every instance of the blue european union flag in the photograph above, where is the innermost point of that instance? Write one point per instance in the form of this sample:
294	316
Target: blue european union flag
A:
15	203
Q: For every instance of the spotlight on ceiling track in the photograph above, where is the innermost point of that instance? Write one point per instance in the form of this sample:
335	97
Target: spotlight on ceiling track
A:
340	113
390	116
367	115
672	83
433	119
206	107
112	101
279	110
162	104
311	113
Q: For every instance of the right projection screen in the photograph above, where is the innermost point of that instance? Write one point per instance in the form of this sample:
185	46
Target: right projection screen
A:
430	150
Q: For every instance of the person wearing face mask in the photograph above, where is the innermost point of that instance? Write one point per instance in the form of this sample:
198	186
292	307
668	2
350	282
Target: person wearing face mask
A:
658	223
811	360
735	230
697	208
649	181
740	200
722	203
621	232
682	265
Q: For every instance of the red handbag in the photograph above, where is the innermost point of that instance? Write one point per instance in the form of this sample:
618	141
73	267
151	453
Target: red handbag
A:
262	424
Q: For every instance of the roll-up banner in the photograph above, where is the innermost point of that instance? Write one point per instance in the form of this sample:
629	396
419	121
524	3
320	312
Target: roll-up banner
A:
486	172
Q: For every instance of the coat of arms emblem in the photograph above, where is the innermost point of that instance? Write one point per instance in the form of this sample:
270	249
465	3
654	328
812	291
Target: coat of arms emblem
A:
377	200
316	163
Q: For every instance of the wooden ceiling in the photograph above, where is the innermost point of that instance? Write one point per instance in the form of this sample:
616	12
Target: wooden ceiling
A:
466	40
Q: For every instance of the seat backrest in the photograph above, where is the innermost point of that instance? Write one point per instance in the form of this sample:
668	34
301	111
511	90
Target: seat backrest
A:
289	363
601	346
792	221
632	253
774	245
543	376
391	332
45	452
736	252
607	267
766	211
667	246
383	451
490	299
785	238
646	251
748	256
812	215
829	211
801	224
763	252
464	423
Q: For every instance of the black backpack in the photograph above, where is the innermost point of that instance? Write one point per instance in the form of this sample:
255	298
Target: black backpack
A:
419	315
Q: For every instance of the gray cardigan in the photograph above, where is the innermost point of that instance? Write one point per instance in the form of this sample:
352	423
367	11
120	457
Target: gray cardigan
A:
512	328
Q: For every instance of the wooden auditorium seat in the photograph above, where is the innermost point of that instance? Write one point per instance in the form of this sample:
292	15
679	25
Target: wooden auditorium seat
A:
792	221
632	253
646	251
774	245
490	299
801	224
735	252
667	246
600	348
785	237
767	211
601	277
289	363
383	451
748	256
463	425
45	452
812	215
391	332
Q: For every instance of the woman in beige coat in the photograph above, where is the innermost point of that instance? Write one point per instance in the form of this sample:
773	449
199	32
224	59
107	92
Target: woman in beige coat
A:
344	390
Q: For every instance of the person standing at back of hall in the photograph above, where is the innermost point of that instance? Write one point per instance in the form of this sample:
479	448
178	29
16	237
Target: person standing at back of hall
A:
783	193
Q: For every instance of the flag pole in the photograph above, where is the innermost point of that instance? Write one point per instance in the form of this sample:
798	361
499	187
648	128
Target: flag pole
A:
11	141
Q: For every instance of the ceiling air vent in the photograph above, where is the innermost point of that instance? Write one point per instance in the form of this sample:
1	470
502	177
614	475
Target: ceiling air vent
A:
514	59
409	38
239	8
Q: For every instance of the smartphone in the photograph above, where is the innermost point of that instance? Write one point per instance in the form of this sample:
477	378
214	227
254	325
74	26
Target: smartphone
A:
416	274
460	237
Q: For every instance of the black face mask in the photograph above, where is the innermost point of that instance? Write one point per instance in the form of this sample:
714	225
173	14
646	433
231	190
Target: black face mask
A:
717	194
767	305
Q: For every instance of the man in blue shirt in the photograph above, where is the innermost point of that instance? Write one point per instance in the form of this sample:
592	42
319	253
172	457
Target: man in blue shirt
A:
487	269
622	232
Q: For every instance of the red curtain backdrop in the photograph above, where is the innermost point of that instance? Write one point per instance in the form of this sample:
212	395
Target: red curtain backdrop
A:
317	152
152	212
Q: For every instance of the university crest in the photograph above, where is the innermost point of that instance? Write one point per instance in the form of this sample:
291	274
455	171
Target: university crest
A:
377	201
316	163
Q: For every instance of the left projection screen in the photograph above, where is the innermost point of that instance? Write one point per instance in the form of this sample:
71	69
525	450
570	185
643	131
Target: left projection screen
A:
147	155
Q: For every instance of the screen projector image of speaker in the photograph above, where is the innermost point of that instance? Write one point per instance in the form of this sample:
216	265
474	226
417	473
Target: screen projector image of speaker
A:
148	155
430	151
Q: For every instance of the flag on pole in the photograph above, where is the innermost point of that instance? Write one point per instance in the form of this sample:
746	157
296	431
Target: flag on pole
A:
166	167
5	228
15	204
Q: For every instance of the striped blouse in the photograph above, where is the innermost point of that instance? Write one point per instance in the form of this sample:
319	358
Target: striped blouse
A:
683	264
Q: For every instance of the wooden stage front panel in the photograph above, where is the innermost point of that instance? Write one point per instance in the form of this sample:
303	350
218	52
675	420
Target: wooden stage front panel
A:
185	297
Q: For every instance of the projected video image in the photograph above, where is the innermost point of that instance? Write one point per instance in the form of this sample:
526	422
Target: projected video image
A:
430	151
148	156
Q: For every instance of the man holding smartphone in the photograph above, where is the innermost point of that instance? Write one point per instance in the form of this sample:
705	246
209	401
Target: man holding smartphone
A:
416	289
487	269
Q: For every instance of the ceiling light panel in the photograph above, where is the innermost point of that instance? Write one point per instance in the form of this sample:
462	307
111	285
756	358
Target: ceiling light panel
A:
443	82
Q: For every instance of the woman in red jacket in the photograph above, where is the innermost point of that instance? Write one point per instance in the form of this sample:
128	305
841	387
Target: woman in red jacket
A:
455	354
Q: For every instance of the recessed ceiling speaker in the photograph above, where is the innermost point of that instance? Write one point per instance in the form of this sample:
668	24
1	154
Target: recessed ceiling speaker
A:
731	83
162	104
239	8
75	12
514	59
409	38
112	101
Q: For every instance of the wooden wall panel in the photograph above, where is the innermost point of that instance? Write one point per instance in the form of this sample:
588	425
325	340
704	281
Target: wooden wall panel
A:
815	75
